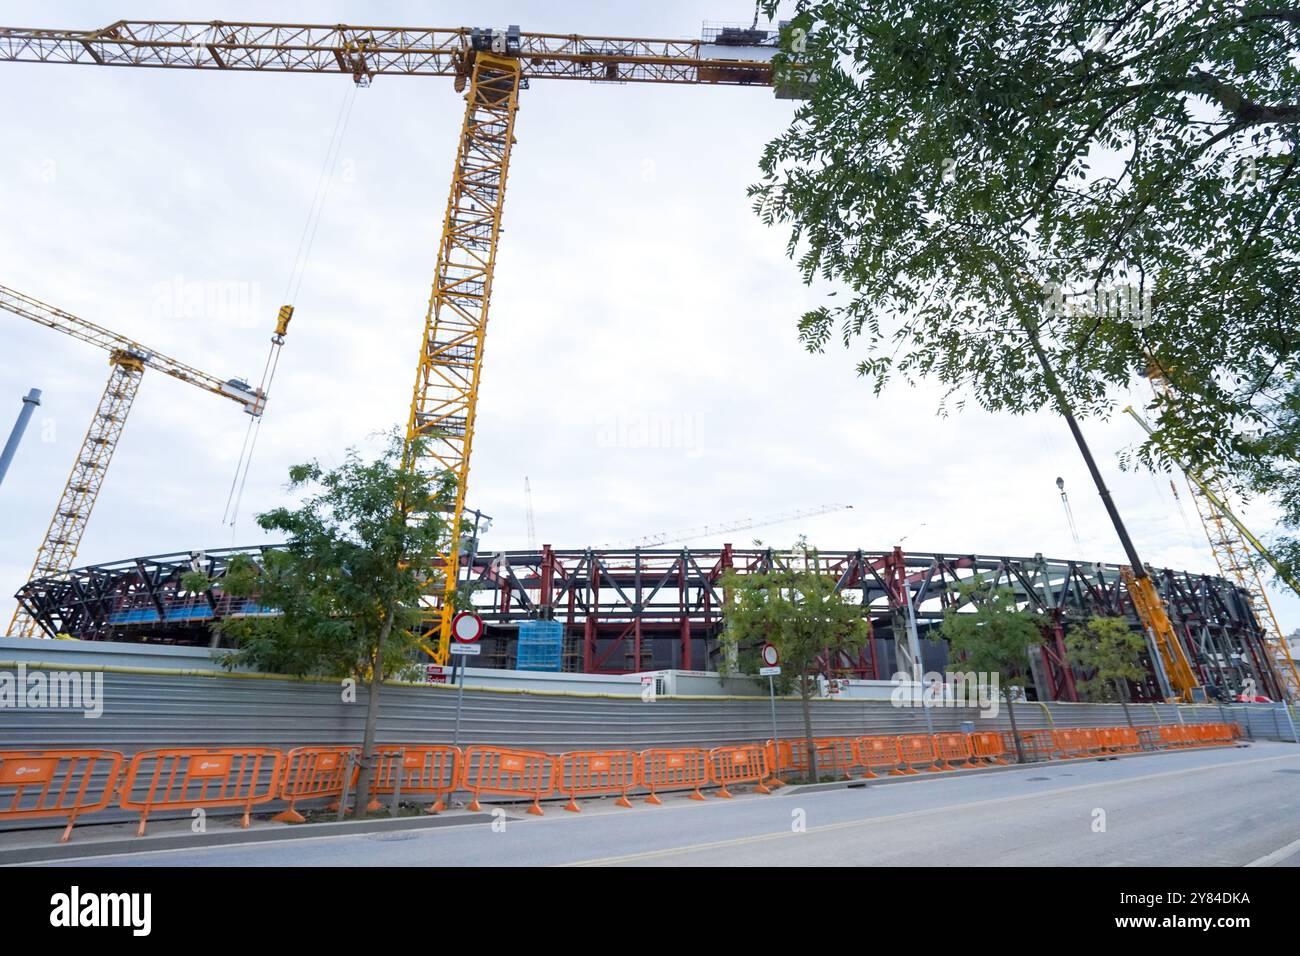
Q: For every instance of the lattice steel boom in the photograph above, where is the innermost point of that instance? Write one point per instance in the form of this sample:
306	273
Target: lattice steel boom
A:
128	361
363	52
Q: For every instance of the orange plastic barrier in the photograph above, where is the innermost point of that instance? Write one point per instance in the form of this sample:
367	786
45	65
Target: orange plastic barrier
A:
1069	743
778	759
663	769
1036	744
511	773
1211	735
184	779
1079	742
312	772
746	763
833	753
592	772
1118	739
914	749
1149	737
415	768
56	783
838	753
952	746
1173	736
879	753
987	745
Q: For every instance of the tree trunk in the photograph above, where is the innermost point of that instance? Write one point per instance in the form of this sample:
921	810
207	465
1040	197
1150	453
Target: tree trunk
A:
1123	701
1015	733
805	695
367	772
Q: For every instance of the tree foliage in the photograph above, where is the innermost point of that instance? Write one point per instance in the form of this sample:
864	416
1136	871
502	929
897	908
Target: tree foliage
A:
355	551
1111	652
989	633
346	584
796	607
973	171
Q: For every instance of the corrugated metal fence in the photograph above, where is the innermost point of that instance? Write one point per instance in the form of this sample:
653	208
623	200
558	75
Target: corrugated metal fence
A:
146	710
143	710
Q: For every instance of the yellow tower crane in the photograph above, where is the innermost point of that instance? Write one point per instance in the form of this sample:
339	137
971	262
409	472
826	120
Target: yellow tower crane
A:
127	362
491	67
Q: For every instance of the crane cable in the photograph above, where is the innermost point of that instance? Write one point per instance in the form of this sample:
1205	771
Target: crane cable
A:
302	256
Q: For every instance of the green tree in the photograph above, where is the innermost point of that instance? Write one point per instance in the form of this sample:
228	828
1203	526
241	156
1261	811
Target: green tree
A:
346	583
797	608
990	634
1118	179
1111	651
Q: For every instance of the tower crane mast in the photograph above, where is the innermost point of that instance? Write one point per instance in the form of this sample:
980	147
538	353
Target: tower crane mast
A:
127	363
492	67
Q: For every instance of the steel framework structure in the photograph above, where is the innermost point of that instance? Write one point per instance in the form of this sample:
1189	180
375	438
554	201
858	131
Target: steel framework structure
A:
495	65
633	610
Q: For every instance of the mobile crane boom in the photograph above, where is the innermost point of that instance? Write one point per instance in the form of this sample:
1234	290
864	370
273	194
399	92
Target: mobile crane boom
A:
1231	541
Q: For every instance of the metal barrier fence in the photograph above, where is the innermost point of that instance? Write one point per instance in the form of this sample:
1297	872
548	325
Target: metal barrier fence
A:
57	783
174	709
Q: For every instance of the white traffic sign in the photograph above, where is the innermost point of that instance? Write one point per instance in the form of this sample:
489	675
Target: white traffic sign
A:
468	649
467	627
769	671
770	656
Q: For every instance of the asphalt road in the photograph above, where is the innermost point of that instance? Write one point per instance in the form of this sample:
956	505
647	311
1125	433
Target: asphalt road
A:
1196	808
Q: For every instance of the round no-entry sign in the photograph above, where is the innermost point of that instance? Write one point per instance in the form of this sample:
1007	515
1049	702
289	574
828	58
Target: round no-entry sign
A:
770	657
467	627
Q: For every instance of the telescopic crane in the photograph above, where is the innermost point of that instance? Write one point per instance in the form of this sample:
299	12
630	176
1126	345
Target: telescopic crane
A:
127	362
1232	543
491	67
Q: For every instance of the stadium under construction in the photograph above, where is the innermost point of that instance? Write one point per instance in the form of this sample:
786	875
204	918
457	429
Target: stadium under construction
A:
648	609
618	610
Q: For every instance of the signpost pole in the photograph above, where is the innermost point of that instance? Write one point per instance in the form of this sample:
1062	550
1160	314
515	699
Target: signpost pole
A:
771	692
467	628
460	703
771	659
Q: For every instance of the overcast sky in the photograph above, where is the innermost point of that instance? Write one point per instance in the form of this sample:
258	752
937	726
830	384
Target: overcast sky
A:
642	365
